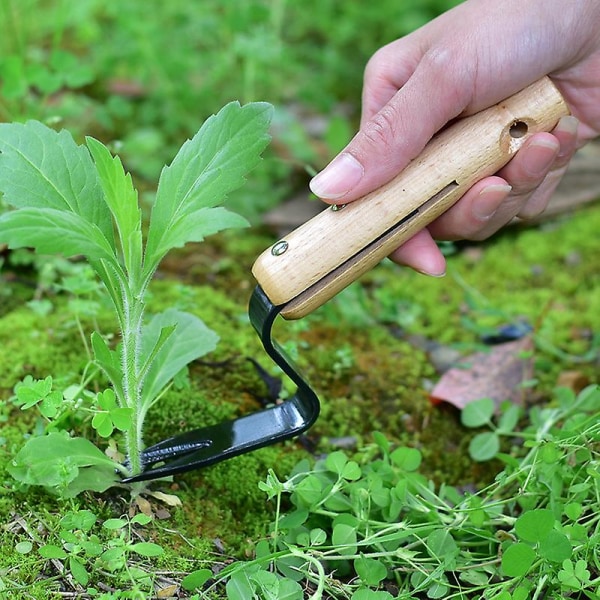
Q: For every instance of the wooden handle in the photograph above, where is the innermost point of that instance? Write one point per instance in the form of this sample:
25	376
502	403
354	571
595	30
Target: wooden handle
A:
320	258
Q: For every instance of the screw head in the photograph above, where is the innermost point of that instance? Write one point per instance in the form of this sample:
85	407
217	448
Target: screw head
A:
336	207
279	248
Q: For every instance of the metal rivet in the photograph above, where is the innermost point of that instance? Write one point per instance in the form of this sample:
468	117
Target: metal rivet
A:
279	248
336	207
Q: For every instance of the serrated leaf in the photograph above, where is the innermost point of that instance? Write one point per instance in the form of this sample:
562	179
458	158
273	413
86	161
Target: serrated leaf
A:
206	169
198	225
52	231
190	340
43	169
122	200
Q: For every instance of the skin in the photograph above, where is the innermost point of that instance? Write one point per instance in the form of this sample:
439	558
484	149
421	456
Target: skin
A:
468	59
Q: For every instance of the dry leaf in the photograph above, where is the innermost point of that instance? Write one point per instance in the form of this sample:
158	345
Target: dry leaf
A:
168	499
144	506
495	374
168	591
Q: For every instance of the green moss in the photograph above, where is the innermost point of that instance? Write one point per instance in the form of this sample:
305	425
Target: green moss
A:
356	352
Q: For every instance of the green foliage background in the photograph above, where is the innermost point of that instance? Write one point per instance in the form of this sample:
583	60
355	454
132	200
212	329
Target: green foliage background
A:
146	74
142	75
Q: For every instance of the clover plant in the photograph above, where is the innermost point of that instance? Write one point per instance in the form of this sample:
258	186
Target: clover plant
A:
372	527
78	200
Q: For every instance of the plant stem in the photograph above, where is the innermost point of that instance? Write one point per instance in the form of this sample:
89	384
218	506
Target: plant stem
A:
131	333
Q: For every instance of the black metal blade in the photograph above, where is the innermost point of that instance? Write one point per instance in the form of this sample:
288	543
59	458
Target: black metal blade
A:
208	445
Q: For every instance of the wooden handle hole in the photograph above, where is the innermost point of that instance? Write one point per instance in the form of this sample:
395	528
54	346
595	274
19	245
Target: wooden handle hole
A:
518	129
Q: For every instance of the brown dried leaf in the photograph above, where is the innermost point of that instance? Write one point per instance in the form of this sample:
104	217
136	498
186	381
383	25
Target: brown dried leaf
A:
144	506
495	374
169	591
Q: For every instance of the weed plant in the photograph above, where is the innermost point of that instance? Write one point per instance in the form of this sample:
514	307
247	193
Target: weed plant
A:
373	528
76	200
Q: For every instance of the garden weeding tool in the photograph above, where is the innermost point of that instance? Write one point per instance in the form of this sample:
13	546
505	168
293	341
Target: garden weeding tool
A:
320	258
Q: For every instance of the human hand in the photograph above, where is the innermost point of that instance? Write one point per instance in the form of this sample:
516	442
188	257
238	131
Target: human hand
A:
466	60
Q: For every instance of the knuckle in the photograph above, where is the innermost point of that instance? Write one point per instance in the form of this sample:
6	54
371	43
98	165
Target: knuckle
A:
380	131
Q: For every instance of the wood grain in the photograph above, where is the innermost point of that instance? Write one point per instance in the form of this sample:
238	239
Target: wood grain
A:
334	248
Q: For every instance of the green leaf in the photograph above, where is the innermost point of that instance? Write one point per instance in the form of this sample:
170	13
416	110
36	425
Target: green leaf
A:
477	413
206	169
52	231
484	446
63	465
148	549
43	169
190	340
555	547
534	525
52	551
121	418
441	544
344	538
336	461
509	419
367	594
141	519
308	492
196	579
352	471
439	588
24	547
517	560
114	524
371	571
81	519
108	361
289	590
103	424
106	400
239	587
122	200
78	571
407	459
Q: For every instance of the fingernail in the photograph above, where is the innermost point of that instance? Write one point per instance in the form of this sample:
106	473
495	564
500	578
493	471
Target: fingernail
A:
489	200
439	275
568	124
338	178
539	162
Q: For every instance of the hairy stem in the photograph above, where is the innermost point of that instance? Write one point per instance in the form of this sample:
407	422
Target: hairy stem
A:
133	312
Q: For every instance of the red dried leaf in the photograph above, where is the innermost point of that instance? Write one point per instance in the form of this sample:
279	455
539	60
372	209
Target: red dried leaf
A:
495	374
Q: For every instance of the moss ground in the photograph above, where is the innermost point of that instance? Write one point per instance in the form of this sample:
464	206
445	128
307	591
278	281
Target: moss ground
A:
356	352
